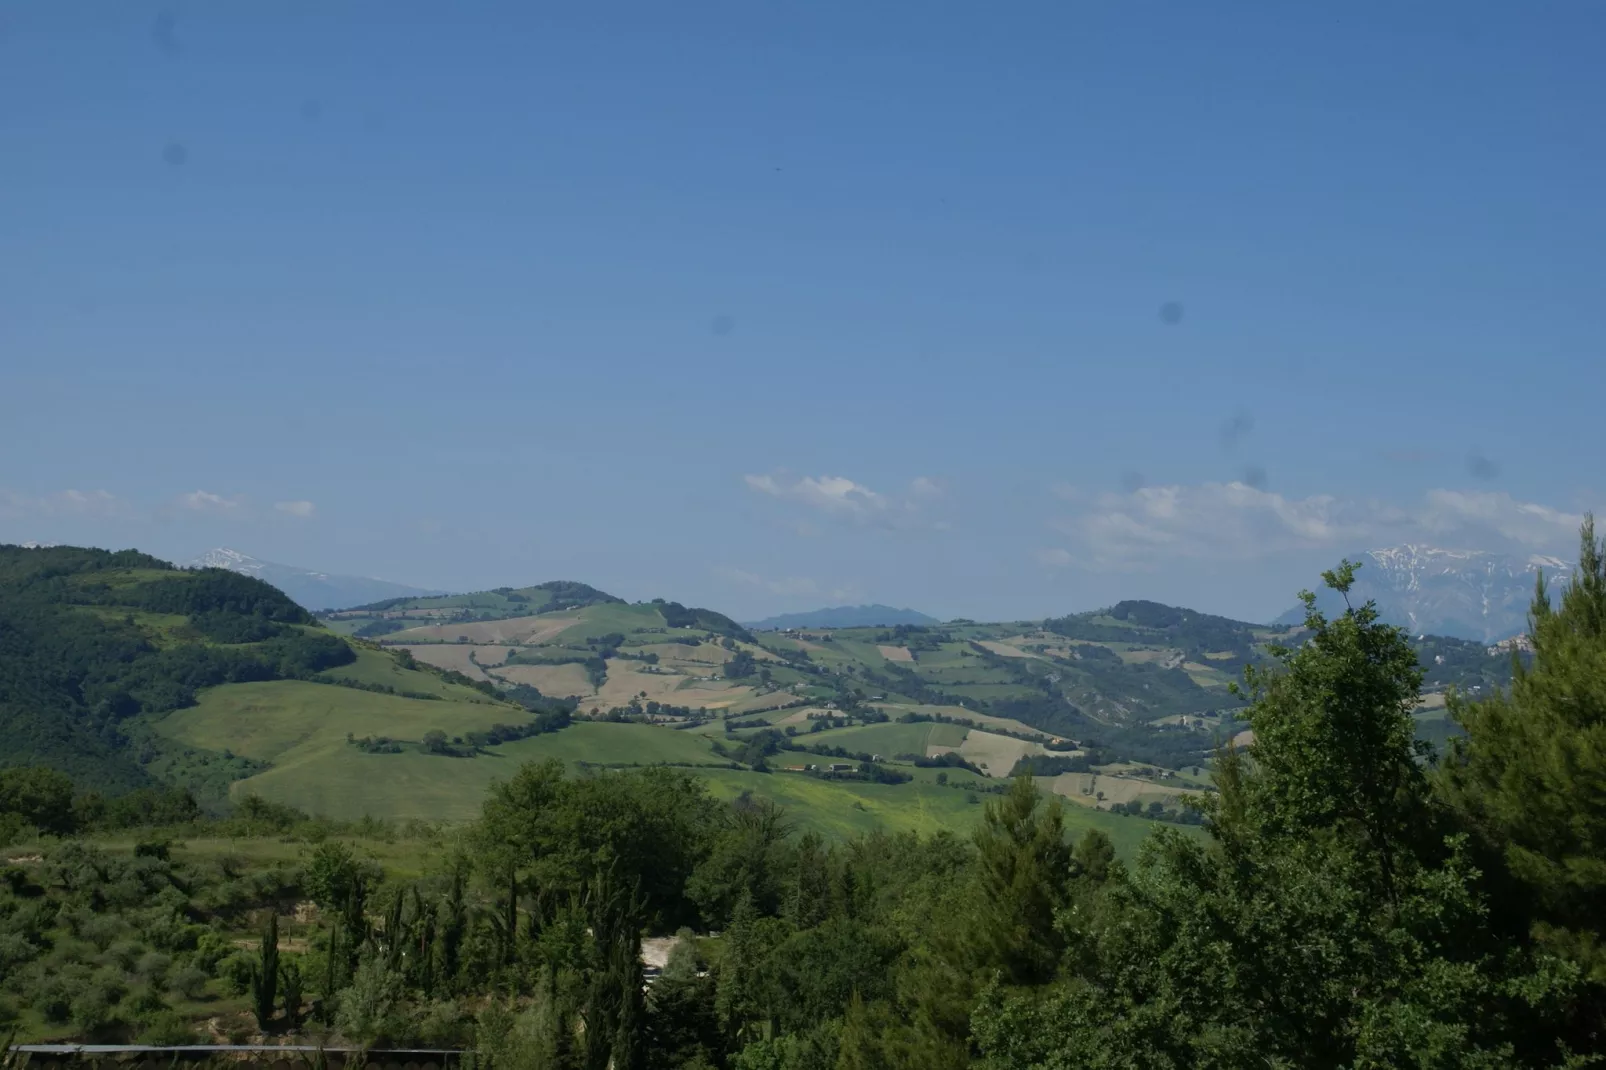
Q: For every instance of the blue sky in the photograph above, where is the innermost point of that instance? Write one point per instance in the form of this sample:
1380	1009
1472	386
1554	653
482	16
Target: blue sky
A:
992	310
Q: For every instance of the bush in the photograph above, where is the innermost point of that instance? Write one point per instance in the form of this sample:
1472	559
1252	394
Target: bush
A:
165	1029
369	1008
143	1005
237	972
211	949
91	1010
153	967
102	930
188	982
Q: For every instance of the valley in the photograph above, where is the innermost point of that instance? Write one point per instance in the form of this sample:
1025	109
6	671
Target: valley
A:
411	707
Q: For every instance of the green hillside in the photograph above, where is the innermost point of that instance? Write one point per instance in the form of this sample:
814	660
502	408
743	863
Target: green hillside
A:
125	672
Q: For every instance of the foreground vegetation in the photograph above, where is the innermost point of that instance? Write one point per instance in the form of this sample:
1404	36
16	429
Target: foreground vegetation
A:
1353	902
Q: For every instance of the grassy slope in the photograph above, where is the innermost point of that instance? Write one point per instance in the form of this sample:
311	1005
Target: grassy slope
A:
840	809
378	668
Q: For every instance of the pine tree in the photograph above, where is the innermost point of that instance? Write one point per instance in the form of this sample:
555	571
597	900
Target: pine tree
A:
1531	773
1023	864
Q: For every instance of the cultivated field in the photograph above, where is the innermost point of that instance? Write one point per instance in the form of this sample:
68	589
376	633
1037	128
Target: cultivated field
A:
523	631
994	754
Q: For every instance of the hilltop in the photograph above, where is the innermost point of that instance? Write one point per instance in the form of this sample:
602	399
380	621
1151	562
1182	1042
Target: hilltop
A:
101	651
410	707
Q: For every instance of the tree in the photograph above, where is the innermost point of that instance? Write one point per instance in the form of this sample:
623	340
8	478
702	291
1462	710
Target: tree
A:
265	974
1528	777
39	796
290	983
1023	863
1333	920
435	742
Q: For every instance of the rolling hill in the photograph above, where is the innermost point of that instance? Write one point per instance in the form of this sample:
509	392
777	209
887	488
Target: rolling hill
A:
126	672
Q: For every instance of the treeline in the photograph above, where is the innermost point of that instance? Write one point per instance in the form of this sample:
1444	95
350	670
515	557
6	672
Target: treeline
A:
678	616
36	799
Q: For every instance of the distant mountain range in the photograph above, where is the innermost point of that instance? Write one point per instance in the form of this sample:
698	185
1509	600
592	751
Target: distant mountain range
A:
876	616
307	588
1466	594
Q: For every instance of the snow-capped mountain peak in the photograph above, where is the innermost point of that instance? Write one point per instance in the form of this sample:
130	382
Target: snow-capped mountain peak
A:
1469	594
313	590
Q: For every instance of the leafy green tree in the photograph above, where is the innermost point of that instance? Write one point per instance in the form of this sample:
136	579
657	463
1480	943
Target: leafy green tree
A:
1330	922
41	797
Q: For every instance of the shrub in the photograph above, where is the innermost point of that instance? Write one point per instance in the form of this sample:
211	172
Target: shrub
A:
165	1029
188	982
101	930
143	1005
237	972
153	967
211	949
91	1009
369	1007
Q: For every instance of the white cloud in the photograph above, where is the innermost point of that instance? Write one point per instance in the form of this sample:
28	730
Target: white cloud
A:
1531	525
846	499
302	509
201	501
1234	521
830	494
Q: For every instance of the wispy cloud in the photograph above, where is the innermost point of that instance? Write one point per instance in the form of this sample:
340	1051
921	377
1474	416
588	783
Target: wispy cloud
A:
1236	521
202	501
302	509
847	499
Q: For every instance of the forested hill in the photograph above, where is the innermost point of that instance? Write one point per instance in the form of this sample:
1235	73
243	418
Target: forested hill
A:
90	640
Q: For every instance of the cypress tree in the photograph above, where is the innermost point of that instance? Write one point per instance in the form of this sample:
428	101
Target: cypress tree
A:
265	979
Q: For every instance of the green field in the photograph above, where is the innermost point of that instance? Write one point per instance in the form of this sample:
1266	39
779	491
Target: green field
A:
839	809
889	739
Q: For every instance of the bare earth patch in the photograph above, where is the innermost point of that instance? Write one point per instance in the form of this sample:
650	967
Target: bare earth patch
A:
896	653
525	631
448	656
1003	650
559	681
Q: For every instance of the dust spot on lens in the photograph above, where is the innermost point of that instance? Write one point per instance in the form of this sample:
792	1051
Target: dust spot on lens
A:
1171	313
1481	467
175	154
721	326
1255	476
163	34
312	110
1233	431
1132	481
